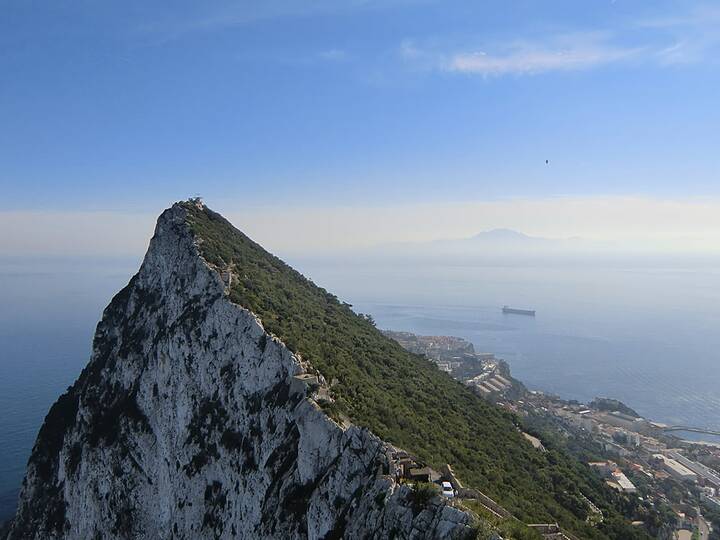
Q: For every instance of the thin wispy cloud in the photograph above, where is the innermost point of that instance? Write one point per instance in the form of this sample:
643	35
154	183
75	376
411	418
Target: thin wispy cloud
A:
536	58
694	36
684	38
558	53
680	52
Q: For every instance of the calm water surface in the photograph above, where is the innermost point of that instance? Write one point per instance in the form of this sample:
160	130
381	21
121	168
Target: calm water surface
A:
647	337
48	313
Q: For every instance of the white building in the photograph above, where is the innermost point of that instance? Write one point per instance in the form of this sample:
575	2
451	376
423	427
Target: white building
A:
675	468
626	486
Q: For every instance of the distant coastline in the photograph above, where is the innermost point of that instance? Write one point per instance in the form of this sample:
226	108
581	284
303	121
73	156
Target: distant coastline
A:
579	352
492	378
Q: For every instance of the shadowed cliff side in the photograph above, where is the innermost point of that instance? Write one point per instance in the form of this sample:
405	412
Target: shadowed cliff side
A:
188	423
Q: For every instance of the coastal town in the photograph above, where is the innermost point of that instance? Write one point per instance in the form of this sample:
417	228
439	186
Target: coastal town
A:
488	375
675	477
639	457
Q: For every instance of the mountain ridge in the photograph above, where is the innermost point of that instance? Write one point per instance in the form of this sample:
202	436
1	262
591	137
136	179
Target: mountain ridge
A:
165	372
384	388
187	423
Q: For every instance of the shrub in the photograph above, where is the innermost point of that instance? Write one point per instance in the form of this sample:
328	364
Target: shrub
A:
422	493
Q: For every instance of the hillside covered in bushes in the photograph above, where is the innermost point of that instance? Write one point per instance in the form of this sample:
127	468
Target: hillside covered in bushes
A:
403	398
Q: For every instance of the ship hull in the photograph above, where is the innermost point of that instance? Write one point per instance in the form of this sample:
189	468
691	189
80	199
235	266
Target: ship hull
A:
514	311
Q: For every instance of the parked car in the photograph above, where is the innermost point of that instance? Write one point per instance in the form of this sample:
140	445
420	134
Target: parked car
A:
447	490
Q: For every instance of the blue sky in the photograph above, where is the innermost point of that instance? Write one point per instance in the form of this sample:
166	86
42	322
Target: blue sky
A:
127	106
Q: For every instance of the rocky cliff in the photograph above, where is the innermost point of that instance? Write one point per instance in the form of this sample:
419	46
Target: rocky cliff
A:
193	421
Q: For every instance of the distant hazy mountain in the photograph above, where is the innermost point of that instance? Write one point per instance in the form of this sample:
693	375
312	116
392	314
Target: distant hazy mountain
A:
496	245
500	247
505	235
505	238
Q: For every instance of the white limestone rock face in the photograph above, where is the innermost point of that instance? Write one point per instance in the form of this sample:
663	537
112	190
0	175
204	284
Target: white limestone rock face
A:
184	425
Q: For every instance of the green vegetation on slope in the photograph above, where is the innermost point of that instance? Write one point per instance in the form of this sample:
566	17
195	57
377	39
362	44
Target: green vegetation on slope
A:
509	528
401	397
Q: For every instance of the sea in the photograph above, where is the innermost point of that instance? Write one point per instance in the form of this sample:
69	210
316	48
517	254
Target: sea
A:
647	336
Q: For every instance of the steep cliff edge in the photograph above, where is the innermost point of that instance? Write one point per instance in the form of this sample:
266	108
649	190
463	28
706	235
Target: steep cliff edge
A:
198	417
189	422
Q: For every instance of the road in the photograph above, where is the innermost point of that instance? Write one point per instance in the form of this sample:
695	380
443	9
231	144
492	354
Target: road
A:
704	528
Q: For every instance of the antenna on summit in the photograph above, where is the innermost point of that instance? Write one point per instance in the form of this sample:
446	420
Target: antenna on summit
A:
197	201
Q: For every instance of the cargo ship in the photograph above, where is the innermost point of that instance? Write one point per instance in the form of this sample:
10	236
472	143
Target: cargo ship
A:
515	311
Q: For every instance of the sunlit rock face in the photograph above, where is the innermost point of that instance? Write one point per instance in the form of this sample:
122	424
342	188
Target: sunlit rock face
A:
188	423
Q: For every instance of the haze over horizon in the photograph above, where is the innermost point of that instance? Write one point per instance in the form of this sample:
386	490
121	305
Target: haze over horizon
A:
333	126
625	225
